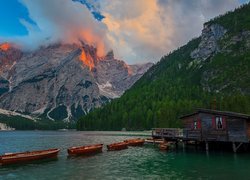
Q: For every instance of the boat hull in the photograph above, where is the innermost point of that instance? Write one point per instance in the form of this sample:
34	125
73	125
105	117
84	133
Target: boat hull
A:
85	150
117	146
135	142
26	157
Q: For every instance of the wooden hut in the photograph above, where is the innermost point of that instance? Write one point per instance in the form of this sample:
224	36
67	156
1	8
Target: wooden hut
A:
217	126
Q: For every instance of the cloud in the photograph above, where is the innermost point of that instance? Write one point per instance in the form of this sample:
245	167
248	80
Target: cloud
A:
140	30
137	30
61	21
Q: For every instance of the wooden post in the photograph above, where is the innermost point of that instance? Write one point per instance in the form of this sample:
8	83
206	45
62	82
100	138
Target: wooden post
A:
234	147
207	146
183	144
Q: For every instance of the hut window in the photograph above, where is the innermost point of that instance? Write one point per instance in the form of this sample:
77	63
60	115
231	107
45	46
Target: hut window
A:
195	124
219	124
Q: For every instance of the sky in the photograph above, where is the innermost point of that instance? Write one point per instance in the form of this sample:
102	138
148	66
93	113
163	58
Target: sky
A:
136	30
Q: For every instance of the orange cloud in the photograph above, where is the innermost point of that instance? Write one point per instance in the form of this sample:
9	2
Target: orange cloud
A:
141	31
5	46
145	30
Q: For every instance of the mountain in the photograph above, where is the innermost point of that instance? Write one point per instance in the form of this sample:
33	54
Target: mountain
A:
62	82
212	70
10	120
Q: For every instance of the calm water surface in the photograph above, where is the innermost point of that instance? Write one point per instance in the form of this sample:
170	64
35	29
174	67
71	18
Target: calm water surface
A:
134	163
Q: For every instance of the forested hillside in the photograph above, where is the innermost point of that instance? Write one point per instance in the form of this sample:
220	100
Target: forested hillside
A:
215	66
21	123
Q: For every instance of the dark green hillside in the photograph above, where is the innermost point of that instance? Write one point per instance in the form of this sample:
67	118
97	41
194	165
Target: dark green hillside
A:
178	83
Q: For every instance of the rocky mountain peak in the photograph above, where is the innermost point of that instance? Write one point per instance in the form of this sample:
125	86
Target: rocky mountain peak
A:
9	54
62	82
110	55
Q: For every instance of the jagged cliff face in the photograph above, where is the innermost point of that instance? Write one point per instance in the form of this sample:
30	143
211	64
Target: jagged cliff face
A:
209	42
114	77
216	43
62	82
214	39
9	55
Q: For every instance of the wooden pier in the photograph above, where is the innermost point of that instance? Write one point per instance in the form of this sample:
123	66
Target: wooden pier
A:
207	127
170	134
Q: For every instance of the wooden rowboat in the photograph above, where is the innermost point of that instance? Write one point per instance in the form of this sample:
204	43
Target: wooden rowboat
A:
135	142
85	150
14	158
117	146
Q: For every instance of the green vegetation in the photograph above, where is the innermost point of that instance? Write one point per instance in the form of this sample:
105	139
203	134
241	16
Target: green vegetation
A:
177	85
20	123
59	113
234	21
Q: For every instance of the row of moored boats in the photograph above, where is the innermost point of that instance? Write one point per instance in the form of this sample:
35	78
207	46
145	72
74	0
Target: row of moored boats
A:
14	158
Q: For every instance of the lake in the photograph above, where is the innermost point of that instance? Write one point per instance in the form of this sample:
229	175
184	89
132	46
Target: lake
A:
145	162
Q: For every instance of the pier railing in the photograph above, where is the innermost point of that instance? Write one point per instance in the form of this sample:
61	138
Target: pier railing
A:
192	134
167	133
177	133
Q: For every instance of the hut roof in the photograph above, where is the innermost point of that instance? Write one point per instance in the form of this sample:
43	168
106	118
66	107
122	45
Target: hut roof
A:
216	112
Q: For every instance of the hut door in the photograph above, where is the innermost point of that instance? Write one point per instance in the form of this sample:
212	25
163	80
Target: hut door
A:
206	127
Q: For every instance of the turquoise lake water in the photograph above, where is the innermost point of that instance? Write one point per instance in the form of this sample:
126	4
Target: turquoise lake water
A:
145	162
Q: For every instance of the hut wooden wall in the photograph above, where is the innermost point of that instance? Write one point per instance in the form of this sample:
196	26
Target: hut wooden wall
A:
248	129
236	130
189	132
188	122
209	133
